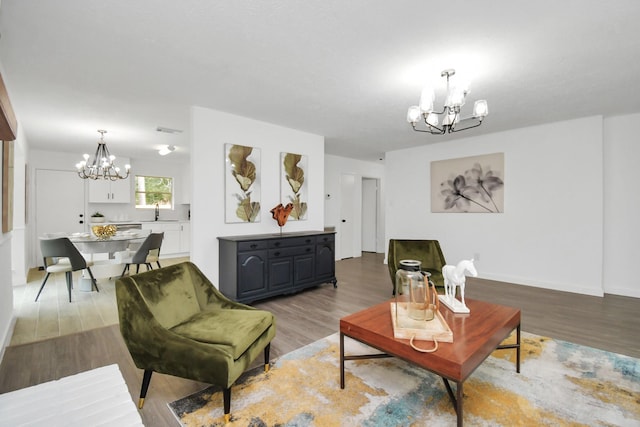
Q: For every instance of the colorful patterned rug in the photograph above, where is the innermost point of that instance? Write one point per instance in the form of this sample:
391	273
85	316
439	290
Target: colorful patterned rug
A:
560	384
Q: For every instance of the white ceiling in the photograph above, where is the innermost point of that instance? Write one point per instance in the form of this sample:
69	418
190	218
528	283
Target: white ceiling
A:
347	70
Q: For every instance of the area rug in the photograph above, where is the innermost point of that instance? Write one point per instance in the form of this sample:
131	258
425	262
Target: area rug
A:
560	384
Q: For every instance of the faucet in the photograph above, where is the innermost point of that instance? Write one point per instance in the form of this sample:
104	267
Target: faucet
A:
157	211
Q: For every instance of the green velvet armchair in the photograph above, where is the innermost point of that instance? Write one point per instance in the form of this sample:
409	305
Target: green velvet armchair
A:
428	252
174	321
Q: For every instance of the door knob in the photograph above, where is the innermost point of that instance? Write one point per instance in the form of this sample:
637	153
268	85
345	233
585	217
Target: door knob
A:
344	220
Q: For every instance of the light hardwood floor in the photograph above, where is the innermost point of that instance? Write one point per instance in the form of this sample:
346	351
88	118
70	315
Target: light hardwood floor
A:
53	315
610	323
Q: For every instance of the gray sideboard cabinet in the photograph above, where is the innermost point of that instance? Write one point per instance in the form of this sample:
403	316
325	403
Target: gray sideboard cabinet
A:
256	267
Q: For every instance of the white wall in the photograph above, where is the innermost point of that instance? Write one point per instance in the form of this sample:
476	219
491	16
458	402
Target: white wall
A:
621	205
6	291
551	233
20	233
11	268
210	130
335	166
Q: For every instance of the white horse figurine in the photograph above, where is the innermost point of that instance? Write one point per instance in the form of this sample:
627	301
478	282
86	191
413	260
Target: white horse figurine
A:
455	276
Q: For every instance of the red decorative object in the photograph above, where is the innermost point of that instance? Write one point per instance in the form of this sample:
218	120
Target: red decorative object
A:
281	213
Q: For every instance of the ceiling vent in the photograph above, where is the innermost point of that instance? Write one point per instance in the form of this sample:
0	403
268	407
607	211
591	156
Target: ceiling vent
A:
168	130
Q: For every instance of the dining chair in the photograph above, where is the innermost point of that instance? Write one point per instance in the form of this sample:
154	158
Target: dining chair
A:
61	256
147	254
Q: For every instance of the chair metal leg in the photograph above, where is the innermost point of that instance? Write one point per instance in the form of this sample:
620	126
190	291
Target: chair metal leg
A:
158	262
137	268
149	266
226	395
124	270
266	357
42	286
94	282
146	380
69	277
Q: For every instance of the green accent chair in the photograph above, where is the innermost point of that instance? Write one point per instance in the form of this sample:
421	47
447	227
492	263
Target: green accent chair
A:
428	252
174	321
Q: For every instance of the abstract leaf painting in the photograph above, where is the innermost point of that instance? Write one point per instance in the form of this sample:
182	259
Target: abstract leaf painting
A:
468	184
242	183
293	186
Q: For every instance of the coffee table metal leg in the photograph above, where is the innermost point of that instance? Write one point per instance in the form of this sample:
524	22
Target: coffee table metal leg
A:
456	400
341	360
518	349
515	346
459	401
355	357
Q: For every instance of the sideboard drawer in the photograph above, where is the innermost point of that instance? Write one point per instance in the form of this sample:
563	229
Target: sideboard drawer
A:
292	241
252	245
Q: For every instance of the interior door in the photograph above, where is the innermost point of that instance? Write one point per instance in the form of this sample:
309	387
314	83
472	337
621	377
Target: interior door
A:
347	194
369	214
59	204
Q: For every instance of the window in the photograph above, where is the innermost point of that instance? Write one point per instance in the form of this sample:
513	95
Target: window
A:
154	189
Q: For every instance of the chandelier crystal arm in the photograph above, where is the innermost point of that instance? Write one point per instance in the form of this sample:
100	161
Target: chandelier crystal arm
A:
456	129
429	129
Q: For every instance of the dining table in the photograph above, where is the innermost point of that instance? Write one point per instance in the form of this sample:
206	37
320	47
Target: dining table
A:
107	265
88	244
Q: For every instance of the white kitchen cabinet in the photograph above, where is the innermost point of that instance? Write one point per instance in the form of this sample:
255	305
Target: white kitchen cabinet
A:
171	240
105	191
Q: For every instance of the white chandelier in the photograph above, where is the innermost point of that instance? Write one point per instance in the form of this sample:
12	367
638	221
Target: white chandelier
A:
448	120
102	166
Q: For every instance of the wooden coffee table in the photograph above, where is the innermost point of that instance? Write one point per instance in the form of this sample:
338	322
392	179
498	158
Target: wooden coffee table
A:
475	336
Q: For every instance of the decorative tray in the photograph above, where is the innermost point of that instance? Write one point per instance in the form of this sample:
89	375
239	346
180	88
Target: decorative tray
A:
420	329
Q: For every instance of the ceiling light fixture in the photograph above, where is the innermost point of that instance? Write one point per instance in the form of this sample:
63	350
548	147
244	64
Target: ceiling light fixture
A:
166	150
102	166
448	120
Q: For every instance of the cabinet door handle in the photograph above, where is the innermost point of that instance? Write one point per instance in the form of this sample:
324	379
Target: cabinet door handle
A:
277	253
308	249
308	241
276	244
253	246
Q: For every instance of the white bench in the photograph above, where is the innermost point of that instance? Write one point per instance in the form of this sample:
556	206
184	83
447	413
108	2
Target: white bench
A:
98	397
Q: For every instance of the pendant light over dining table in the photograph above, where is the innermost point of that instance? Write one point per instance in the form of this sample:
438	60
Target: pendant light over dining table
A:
102	166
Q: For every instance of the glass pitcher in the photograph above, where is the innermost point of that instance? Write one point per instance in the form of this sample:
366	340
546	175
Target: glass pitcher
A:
416	297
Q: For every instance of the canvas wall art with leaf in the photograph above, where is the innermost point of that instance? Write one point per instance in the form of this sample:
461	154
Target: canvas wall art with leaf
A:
293	186
242	183
468	184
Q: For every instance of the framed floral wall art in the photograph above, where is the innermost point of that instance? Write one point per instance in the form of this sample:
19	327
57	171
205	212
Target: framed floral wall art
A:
242	183
468	184
293	184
